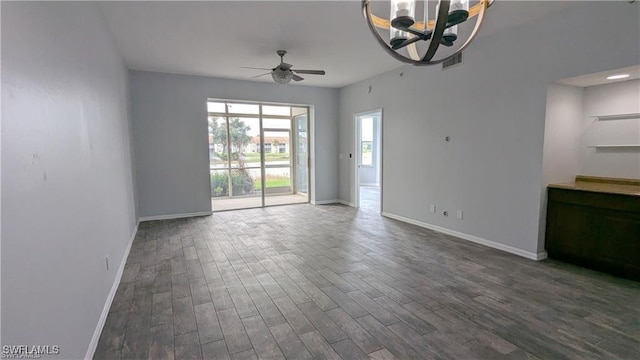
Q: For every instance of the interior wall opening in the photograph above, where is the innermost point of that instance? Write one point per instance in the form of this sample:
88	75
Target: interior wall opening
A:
368	177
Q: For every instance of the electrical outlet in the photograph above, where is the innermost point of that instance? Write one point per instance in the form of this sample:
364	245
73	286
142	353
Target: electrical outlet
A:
106	262
432	208
459	214
445	213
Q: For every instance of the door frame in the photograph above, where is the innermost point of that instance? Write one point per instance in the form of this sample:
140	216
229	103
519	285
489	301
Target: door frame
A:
355	186
295	144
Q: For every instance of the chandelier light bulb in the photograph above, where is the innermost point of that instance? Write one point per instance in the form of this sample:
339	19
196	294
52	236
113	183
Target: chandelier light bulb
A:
405	31
458	11
402	12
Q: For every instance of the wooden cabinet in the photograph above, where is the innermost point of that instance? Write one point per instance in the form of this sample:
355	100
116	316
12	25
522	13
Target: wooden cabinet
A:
598	230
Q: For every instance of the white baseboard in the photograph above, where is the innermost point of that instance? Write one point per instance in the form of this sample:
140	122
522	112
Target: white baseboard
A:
475	239
324	202
541	256
369	184
175	216
344	202
107	305
334	201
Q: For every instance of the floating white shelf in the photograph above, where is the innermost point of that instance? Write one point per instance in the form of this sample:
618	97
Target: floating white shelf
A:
616	117
630	146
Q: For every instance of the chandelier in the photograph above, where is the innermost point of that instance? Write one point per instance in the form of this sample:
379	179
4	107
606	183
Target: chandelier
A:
405	33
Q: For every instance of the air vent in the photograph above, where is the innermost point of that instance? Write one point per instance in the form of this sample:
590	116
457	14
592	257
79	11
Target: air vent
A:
452	61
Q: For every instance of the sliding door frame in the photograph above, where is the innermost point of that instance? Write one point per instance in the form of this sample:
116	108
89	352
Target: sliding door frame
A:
293	144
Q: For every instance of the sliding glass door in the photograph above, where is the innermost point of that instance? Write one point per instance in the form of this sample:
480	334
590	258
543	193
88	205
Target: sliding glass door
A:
258	155
234	163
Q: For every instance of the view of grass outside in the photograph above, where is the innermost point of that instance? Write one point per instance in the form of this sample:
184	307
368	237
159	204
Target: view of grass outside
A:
274	181
243	184
255	157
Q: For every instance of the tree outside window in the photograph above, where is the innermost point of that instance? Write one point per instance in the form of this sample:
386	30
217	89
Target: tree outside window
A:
241	181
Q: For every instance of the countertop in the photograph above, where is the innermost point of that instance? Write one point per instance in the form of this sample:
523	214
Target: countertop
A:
629	187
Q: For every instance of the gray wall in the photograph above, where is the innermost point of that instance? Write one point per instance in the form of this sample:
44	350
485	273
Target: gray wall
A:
493	107
562	134
171	144
67	187
610	99
561	154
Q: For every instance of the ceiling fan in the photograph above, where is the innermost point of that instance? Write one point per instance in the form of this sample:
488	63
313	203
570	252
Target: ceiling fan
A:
283	73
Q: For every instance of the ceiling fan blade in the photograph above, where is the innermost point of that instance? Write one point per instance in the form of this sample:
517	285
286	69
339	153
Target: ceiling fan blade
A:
253	77
310	72
254	68
297	78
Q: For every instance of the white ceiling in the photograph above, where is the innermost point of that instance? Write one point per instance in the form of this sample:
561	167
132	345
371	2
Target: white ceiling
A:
216	38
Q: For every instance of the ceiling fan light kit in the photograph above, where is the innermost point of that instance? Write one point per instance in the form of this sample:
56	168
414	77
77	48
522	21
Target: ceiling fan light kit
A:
282	76
405	32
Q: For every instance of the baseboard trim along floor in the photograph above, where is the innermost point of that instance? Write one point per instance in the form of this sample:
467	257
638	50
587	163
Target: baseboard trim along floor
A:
324	202
175	216
112	293
475	239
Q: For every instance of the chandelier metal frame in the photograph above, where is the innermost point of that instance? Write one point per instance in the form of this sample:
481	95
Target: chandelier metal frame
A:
426	30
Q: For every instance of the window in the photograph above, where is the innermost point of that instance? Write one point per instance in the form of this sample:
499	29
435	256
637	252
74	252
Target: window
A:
276	110
215	107
252	154
366	141
243	108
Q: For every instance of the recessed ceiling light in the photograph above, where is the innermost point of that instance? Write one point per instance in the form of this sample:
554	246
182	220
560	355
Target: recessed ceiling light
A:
616	77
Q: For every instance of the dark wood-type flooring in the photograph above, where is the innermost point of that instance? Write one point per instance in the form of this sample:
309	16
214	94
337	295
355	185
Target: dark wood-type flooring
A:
331	282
